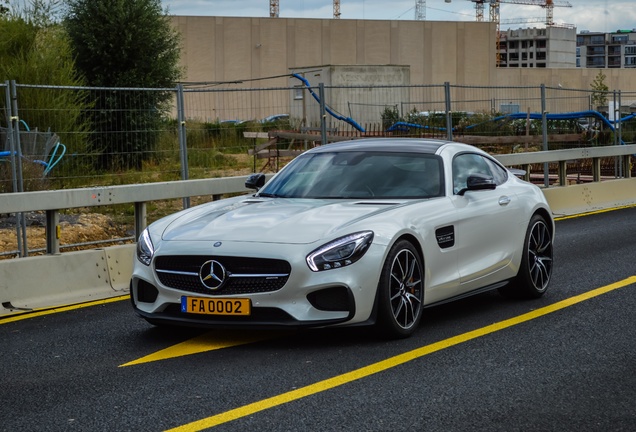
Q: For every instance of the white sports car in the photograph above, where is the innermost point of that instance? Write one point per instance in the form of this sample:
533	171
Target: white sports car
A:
364	232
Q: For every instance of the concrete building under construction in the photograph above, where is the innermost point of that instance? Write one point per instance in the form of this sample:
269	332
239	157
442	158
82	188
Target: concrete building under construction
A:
550	47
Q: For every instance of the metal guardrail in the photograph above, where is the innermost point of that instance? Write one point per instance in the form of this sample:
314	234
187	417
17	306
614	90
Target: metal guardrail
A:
55	200
139	194
565	156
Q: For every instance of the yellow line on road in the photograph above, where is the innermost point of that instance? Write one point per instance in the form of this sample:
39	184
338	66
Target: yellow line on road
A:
207	342
594	212
48	311
392	362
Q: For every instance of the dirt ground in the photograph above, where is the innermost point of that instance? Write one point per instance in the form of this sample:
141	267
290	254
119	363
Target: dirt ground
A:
76	228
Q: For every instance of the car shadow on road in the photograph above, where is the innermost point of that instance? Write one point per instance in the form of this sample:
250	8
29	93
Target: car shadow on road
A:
437	323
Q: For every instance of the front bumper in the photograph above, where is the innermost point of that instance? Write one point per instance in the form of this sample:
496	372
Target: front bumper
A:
306	299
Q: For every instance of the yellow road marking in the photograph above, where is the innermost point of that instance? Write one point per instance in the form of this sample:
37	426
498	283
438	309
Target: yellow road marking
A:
206	342
48	311
392	362
594	212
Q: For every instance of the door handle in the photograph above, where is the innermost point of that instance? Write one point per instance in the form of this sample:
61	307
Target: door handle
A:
504	200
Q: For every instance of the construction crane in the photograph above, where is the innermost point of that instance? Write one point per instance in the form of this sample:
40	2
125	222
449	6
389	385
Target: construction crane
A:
548	5
522	20
479	10
420	10
274	9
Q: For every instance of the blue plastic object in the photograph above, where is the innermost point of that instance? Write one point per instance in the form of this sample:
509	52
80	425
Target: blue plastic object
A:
349	120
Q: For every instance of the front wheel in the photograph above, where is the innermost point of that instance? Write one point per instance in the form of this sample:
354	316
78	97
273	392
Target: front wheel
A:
400	291
535	270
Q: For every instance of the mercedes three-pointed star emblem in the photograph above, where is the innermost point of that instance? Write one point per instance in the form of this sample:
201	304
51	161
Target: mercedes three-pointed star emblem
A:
212	274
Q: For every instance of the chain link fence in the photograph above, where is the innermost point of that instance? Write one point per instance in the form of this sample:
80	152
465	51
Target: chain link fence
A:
66	137
76	137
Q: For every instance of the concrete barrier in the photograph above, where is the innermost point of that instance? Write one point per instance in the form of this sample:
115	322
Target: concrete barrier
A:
73	277
589	197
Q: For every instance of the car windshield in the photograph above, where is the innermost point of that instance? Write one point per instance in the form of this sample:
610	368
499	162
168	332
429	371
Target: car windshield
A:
358	175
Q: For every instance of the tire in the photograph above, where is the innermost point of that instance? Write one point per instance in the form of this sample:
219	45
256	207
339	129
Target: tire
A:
535	270
400	292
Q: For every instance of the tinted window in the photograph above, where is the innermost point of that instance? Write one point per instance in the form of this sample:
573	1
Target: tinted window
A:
359	175
500	174
467	164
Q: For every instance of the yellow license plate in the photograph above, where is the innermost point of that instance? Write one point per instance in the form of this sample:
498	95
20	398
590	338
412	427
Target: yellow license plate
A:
216	306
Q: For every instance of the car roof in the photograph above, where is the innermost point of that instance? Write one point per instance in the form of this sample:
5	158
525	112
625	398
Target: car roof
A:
408	145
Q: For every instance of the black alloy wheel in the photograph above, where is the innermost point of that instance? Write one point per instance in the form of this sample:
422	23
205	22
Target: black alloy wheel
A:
535	270
401	291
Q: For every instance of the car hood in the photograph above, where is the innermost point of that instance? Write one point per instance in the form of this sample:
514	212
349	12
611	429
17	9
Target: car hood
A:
276	220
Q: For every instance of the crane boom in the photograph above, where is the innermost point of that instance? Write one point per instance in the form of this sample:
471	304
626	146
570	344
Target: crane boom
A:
542	3
548	5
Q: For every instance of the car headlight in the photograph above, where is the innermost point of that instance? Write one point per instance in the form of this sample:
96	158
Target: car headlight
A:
145	249
341	252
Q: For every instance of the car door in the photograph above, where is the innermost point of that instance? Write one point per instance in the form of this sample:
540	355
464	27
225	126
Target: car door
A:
486	221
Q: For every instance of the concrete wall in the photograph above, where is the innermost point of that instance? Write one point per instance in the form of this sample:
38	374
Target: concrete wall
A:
561	47
345	78
623	79
229	48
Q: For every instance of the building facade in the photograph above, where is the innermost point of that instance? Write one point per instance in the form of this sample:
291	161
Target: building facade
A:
606	50
550	47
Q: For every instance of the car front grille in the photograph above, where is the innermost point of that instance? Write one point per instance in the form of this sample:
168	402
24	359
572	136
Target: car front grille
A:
244	275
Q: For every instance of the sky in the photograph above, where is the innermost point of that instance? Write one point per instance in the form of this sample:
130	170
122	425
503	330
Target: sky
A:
592	15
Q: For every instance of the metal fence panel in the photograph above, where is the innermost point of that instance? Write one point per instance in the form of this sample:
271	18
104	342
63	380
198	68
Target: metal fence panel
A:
90	136
69	137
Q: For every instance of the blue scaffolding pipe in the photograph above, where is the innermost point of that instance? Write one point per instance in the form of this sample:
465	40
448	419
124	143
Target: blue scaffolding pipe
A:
349	120
404	126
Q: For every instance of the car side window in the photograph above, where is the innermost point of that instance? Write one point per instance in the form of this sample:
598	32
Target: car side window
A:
465	165
500	174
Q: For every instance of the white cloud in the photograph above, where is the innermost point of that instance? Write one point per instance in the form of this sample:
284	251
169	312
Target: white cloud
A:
593	15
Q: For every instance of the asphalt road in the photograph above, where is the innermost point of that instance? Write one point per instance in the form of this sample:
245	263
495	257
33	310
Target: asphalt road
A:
565	362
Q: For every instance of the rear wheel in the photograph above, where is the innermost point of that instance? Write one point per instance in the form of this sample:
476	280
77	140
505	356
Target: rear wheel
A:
401	291
535	270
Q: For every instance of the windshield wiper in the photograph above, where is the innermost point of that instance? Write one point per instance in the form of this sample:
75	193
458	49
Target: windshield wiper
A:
267	195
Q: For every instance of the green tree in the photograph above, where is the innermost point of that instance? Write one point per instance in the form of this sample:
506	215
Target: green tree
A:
390	116
33	54
125	43
600	89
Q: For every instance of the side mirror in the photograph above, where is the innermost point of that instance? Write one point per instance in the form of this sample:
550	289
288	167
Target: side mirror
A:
255	181
478	181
